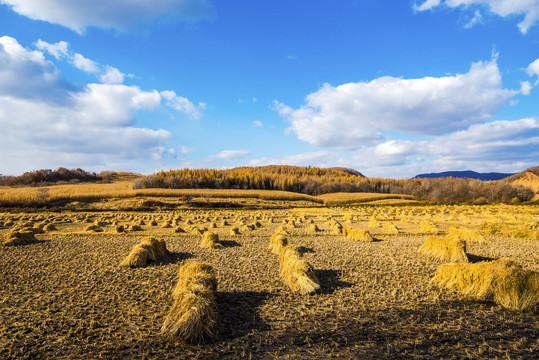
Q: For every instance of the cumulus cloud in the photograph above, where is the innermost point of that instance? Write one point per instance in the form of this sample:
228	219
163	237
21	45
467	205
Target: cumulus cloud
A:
118	14
533	69
354	115
112	76
317	158
27	74
232	154
182	104
84	64
528	8
258	123
46	123
58	50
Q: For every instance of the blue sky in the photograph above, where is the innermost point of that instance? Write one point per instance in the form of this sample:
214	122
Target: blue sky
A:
389	88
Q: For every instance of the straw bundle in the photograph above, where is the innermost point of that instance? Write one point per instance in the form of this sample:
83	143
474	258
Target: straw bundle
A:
277	242
149	249
447	250
426	226
464	234
192	315
391	228
16	238
210	240
501	281
234	231
297	273
94	228
357	235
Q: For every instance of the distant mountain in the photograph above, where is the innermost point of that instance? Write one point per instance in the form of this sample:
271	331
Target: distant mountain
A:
464	174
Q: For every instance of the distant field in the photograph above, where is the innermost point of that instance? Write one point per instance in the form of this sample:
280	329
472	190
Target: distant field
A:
124	190
359	198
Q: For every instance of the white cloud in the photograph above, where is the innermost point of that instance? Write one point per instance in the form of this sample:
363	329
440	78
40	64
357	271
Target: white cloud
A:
85	64
475	20
48	123
525	87
58	50
119	14
316	158
182	104
504	8
533	70
27	74
232	154
112	76
354	115
186	150
258	123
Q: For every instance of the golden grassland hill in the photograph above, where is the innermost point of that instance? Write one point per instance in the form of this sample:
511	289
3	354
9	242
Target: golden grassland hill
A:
376	298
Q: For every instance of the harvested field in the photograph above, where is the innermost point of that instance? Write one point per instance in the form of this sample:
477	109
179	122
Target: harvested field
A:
66	297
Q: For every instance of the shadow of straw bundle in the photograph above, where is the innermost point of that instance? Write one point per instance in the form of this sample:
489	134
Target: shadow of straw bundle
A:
277	242
149	249
210	240
448	249
357	235
192	315
297	273
16	238
501	281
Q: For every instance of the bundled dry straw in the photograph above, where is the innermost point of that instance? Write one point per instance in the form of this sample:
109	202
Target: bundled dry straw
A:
149	249
297	273
445	249
210	240
464	234
357	235
192	315
501	281
277	242
16	238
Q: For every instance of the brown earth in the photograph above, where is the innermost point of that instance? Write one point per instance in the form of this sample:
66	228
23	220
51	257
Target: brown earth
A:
66	297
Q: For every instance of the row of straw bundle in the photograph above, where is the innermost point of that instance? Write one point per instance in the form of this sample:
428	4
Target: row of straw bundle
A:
192	316
502	281
149	249
356	234
450	249
297	273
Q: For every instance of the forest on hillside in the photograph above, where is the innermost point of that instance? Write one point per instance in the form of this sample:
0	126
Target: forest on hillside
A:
317	181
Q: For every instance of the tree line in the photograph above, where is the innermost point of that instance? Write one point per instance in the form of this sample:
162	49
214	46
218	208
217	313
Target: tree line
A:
47	177
317	181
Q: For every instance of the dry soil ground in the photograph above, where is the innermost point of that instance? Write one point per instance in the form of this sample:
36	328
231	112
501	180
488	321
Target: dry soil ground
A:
66	296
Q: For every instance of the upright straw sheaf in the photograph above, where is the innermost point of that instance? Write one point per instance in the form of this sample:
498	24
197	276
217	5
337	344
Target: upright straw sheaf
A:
277	242
356	234
16	238
427	226
449	249
210	240
297	273
465	234
192	316
149	249
502	281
